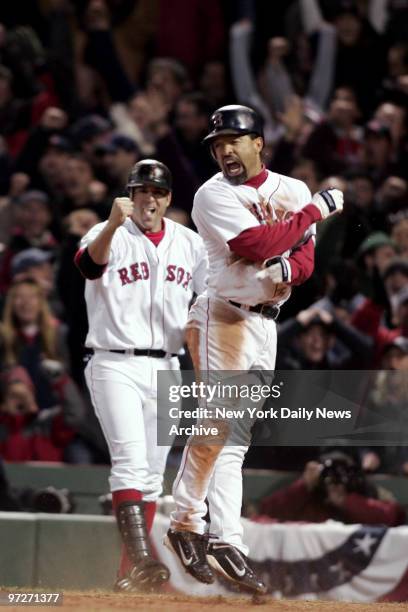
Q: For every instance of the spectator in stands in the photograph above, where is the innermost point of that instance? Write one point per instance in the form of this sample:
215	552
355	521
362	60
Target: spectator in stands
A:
341	289
167	78
395	276
391	198
81	189
373	256
53	122
387	405
306	341
89	132
332	488
394	116
392	289
399	235
335	144
192	115
33	218
214	85
32	335
118	156
343	237
17	184
377	157
37	265
31	434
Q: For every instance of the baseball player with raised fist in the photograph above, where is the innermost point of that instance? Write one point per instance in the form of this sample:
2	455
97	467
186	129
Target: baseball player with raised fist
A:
258	228
141	271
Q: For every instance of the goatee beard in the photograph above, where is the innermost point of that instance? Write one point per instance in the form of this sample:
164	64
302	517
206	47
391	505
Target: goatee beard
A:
240	179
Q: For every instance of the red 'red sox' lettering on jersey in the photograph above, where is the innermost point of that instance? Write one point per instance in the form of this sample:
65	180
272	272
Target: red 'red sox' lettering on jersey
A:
140	271
155	313
179	275
135	272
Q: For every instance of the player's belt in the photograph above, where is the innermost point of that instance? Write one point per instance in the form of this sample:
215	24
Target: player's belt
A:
146	353
266	310
155	353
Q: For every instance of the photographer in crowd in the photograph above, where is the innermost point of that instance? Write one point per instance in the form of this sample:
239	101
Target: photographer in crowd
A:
332	488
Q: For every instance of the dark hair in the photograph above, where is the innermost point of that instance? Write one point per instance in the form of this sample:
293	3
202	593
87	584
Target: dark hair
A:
397	264
176	68
199	100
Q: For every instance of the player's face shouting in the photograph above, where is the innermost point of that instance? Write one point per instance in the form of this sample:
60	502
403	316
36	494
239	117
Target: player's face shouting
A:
150	205
239	157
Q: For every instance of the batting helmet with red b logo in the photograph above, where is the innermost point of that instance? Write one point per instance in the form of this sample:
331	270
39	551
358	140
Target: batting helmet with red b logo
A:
234	119
150	172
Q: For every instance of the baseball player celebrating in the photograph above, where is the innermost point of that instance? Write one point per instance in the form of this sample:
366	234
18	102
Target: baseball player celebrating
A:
258	229
141	273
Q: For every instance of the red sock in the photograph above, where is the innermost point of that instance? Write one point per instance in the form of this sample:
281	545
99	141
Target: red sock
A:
124	495
150	511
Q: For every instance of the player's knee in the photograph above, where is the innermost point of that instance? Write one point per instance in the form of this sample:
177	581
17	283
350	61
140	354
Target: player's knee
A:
153	487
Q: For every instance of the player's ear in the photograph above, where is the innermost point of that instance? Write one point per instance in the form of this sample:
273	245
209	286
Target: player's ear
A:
259	143
169	196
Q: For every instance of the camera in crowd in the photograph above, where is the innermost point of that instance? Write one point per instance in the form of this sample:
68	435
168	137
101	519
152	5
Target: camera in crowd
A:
341	469
49	500
52	500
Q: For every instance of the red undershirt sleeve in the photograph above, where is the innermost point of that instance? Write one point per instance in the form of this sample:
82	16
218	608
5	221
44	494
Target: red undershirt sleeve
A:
264	241
302	262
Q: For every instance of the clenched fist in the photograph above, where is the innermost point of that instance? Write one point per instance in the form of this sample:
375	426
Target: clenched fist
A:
329	202
121	209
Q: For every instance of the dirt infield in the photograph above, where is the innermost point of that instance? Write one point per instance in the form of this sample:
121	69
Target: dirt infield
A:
103	601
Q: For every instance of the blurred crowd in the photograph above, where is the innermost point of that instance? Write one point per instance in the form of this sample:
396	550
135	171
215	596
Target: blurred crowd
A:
89	87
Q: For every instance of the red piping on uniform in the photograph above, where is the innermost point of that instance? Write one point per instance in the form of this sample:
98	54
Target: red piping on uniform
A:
258	180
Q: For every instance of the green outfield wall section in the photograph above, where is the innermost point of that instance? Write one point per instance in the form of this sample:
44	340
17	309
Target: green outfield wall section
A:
58	551
77	552
18	548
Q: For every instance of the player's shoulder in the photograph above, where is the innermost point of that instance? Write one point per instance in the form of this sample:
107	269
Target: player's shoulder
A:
290	183
215	184
292	187
98	227
94	231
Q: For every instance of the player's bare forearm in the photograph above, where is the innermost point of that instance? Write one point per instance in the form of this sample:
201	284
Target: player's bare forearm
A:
99	248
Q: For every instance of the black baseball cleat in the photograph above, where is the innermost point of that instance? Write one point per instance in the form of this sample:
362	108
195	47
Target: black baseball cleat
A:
191	549
146	576
232	564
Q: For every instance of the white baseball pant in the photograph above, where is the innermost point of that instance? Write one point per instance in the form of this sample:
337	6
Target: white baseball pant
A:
123	390
220	337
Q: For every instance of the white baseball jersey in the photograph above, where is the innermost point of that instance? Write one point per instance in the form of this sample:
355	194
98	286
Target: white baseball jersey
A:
222	211
141	300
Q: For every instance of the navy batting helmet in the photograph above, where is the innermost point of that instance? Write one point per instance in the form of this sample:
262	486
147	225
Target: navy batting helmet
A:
150	172
234	119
